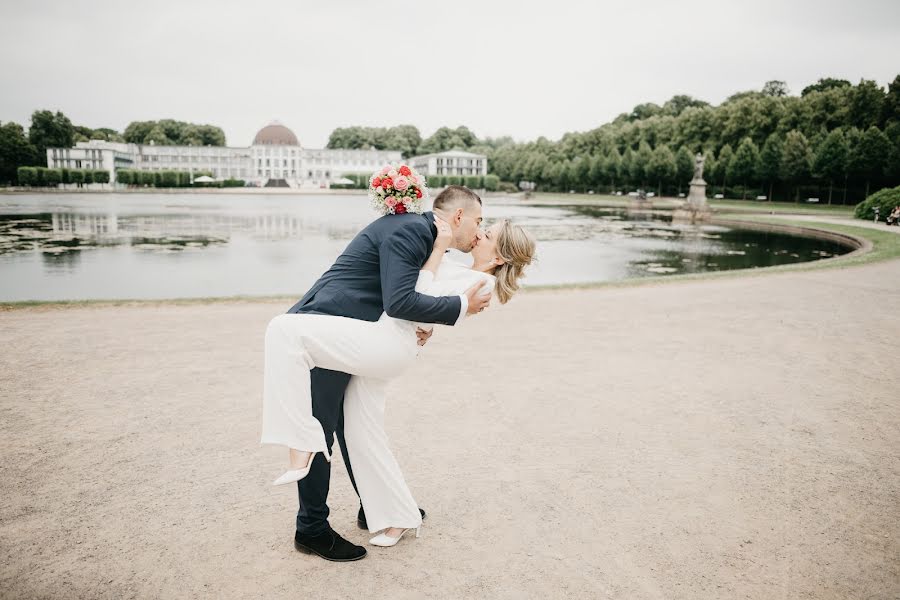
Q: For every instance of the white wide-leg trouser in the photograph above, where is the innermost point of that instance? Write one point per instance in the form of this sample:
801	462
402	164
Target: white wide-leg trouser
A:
372	352
382	489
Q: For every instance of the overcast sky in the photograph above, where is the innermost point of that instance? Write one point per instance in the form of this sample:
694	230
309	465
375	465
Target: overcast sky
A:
521	68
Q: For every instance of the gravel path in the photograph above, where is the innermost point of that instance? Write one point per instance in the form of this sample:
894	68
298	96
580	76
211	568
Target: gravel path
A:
728	438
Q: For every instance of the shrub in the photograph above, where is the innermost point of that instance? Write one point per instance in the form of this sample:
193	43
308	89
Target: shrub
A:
41	176
507	187
125	177
54	177
101	176
435	181
147	178
491	183
26	175
65	175
168	179
88	176
157	179
233	183
885	199
475	182
76	176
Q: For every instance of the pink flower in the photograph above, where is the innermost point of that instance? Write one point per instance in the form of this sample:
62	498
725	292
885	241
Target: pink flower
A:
385	170
416	180
401	183
390	202
392	173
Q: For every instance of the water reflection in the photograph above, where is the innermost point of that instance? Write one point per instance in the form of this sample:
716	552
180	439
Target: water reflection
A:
163	246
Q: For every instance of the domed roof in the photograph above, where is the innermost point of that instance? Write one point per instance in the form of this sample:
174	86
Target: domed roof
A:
275	134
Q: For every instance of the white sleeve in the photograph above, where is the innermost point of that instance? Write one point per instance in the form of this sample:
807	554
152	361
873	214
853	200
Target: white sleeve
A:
424	282
463	308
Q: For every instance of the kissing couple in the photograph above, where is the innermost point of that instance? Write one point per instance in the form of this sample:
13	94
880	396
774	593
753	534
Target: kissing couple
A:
328	361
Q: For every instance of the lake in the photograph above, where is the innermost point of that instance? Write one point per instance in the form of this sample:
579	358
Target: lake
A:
152	246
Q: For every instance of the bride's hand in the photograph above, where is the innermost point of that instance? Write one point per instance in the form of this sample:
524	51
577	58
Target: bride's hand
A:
444	234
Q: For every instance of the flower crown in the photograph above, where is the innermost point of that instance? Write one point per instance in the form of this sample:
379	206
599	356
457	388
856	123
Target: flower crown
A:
397	190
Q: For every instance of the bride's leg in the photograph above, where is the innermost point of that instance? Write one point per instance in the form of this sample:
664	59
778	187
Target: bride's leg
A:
382	489
297	343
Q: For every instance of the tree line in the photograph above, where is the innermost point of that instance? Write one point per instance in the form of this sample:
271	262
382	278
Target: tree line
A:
835	140
47	129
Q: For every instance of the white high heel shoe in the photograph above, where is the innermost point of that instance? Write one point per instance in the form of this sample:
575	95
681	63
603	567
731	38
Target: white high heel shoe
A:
296	474
386	541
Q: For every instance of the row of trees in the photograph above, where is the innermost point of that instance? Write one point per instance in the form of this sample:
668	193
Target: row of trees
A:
47	129
169	132
44	177
490	183
834	137
408	140
787	164
169	179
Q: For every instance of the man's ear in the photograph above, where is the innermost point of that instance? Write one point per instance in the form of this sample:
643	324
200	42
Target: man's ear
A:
457	216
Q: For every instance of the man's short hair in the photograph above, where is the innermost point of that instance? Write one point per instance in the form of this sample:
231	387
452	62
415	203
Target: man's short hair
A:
455	196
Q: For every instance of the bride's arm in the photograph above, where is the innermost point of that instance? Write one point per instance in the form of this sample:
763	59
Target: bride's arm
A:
441	245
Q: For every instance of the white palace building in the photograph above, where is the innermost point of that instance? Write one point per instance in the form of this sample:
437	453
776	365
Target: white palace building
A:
275	158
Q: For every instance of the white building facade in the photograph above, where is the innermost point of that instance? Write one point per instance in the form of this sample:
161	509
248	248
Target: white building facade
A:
451	162
275	158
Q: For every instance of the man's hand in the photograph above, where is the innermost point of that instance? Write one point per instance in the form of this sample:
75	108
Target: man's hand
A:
423	335
477	302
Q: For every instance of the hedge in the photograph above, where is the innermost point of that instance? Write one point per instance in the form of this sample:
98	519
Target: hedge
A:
885	199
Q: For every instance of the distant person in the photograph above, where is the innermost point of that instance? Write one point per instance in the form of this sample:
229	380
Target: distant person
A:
894	217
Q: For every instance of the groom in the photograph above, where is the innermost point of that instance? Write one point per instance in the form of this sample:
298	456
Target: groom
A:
377	273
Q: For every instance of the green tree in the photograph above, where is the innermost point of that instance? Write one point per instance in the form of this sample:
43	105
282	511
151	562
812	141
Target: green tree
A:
795	160
563	175
866	102
54	177
826	83
27	176
775	88
581	172
88	176
870	156
662	167
641	163
745	165
612	168
124	176
891	106
723	165
684	163
76	176
770	162
627	167
830	160
50	130
15	151
596	174
101	176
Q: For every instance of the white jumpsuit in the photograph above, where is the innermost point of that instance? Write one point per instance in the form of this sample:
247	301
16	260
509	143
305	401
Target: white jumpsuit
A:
373	353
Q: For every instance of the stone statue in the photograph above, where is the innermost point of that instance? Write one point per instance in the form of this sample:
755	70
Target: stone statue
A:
698	167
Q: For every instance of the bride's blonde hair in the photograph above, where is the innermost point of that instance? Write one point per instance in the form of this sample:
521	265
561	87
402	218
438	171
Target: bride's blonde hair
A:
516	247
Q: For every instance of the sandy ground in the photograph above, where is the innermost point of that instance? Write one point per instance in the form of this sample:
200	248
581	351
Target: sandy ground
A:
728	438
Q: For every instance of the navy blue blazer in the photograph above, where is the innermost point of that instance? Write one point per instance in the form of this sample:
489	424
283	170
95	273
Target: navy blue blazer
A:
377	273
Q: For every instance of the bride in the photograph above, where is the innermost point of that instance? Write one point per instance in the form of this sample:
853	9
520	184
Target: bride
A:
373	353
